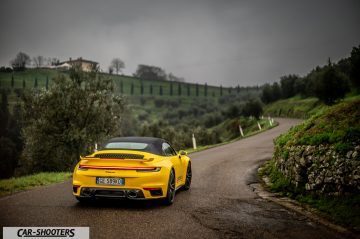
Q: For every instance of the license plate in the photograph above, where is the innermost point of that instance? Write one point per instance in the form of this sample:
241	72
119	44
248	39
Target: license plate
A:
110	181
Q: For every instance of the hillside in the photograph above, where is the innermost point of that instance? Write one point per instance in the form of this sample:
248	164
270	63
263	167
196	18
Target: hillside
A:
318	162
299	107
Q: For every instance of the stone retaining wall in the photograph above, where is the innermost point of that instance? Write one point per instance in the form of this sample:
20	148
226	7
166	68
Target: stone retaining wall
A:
320	168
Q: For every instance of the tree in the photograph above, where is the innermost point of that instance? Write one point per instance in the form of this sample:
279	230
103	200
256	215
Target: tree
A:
171	88
53	61
20	62
238	89
179	89
10	138
38	61
67	120
142	88
252	108
197	89
287	85
12	81
146	72
35	83
330	85
188	89
205	89
267	94
151	89
117	65
221	90
355	68
132	88
161	90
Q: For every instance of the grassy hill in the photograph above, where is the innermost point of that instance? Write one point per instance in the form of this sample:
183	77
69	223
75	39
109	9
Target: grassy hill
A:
317	162
123	84
298	107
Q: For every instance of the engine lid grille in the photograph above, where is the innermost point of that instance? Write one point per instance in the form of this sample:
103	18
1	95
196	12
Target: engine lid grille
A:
120	156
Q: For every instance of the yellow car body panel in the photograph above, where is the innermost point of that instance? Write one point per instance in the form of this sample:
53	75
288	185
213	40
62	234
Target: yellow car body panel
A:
136	173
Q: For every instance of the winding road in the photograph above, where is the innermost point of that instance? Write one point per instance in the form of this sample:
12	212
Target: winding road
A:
220	204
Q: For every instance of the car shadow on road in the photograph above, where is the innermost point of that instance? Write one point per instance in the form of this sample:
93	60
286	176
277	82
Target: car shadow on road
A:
121	203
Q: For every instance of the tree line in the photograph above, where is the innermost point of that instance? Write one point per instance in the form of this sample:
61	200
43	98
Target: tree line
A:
328	83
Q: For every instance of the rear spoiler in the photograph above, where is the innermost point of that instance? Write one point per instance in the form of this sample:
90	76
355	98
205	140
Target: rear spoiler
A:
130	159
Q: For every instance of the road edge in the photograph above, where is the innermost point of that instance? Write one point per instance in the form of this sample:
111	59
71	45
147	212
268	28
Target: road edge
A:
293	205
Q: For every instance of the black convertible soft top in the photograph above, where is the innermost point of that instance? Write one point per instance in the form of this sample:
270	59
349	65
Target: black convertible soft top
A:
154	144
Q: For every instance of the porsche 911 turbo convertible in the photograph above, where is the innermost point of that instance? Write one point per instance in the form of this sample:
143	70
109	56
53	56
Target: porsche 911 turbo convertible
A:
132	168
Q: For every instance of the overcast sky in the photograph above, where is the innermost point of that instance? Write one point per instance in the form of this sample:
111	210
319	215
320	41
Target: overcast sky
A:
218	42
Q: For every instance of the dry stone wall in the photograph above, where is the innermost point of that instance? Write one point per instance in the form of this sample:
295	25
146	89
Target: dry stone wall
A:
320	169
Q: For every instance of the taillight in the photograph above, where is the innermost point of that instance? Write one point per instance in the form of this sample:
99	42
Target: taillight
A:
148	170
82	168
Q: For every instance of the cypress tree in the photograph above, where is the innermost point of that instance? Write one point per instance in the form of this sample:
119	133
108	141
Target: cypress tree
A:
35	83
161	90
197	89
151	89
24	84
12	81
188	89
132	88
171	88
205	89
142	88
238	89
179	89
221	93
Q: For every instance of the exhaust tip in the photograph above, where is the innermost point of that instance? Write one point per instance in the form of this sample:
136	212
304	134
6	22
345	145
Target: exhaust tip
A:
132	194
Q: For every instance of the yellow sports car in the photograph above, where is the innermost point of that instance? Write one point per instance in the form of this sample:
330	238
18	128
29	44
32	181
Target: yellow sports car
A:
133	168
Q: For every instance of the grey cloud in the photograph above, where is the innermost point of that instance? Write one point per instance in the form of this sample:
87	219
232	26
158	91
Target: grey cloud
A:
218	42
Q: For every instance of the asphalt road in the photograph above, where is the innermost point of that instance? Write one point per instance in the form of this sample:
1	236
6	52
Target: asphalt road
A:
220	203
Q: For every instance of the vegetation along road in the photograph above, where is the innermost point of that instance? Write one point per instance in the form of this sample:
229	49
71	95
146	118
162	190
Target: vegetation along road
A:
220	203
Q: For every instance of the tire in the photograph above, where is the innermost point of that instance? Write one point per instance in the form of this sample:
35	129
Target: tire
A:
188	177
170	194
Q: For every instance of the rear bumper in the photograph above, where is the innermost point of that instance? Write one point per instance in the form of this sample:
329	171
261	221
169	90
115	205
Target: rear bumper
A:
138	185
87	192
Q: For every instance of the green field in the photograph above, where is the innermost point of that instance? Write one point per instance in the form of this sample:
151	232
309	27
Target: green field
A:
123	84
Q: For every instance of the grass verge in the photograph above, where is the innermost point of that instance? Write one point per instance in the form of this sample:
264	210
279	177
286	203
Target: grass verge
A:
253	131
12	185
343	210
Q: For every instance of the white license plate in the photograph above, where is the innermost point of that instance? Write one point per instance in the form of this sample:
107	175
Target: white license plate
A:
110	181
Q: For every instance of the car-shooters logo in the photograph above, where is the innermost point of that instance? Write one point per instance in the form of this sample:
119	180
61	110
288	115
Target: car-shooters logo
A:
46	232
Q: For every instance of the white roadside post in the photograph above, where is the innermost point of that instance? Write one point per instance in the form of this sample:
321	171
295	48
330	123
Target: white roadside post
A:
96	147
241	131
270	122
194	141
259	125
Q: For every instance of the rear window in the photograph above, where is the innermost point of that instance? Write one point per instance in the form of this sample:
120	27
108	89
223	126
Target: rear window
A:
126	145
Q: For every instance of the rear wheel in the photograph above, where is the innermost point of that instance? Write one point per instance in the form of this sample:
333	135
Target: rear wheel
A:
188	177
170	195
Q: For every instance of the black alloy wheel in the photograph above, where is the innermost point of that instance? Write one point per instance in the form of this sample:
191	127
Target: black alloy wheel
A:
171	189
188	177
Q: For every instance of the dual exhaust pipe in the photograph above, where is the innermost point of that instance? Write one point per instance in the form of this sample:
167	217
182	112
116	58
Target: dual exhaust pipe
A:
111	193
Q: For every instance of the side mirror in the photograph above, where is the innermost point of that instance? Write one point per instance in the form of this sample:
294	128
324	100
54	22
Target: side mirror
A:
183	153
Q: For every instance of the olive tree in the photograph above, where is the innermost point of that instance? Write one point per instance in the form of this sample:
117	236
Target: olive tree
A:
67	120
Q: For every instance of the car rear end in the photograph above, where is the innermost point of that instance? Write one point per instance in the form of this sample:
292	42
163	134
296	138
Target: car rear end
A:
121	174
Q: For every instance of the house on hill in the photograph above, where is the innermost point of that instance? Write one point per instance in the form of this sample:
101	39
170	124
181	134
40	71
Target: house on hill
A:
86	65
